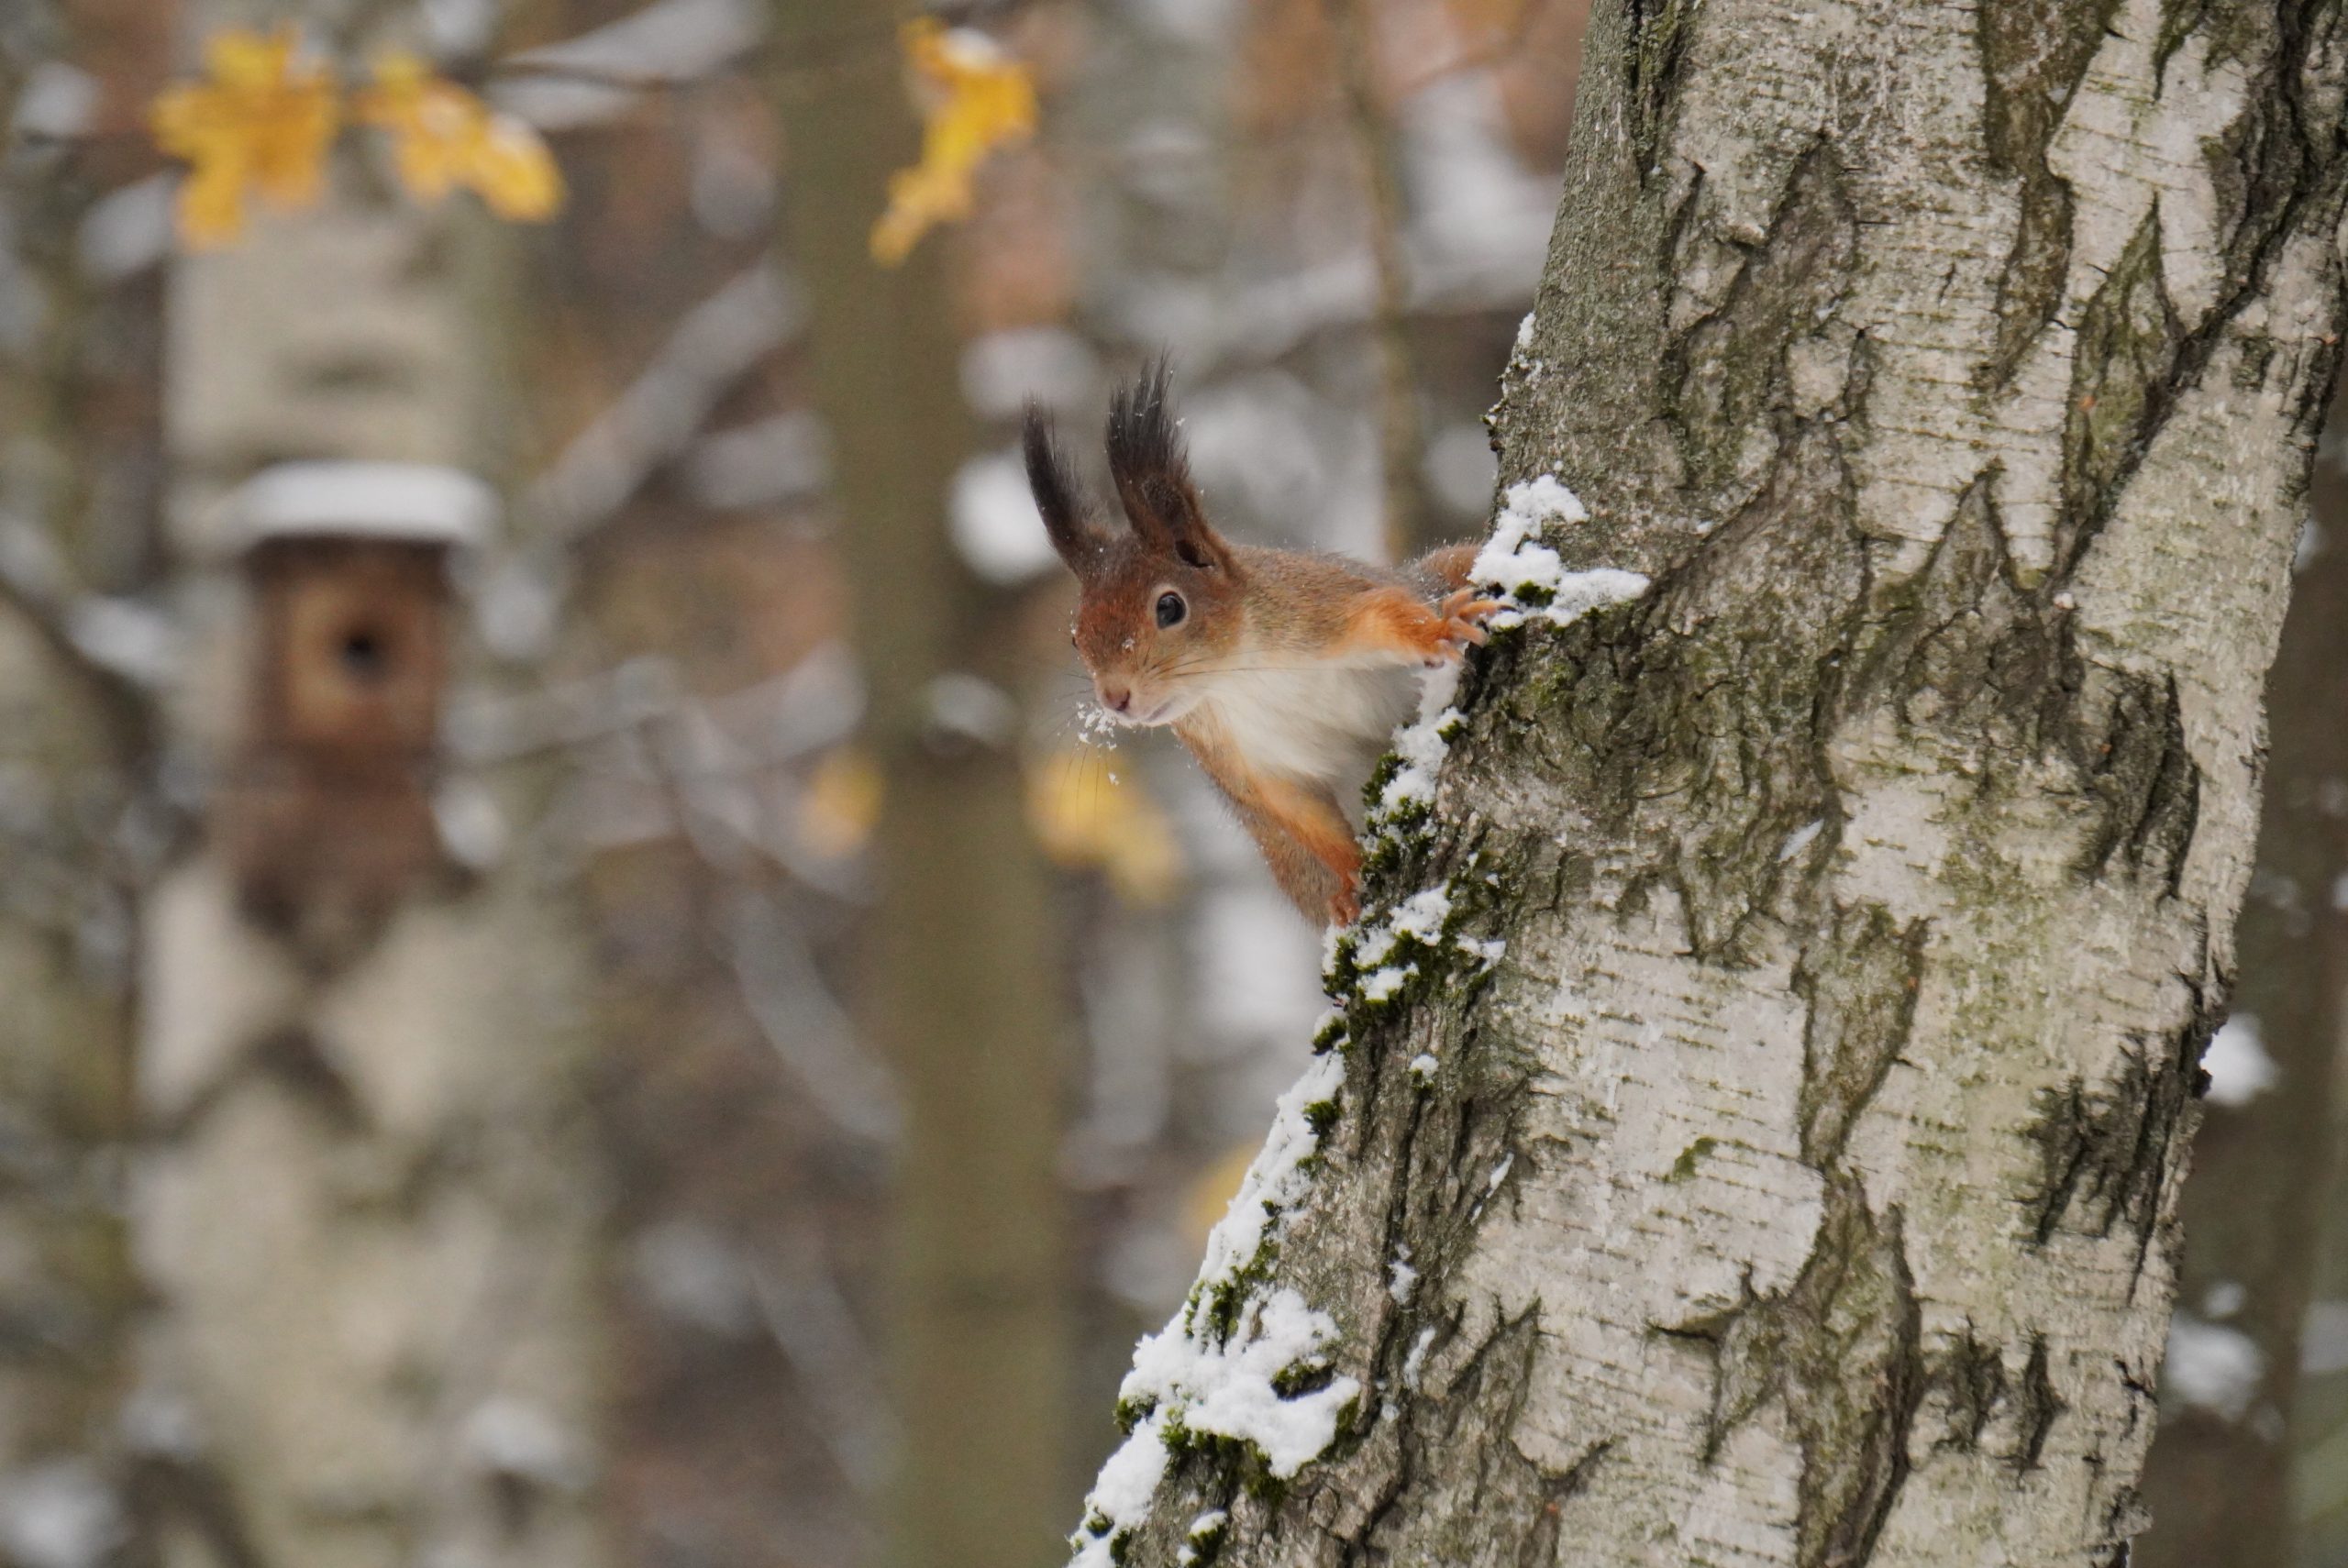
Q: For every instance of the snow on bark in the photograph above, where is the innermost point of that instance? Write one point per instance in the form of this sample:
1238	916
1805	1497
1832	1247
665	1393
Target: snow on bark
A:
1528	580
1796	1182
1531	575
1223	1368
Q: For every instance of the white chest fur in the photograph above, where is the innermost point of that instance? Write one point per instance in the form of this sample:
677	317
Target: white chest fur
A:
1322	721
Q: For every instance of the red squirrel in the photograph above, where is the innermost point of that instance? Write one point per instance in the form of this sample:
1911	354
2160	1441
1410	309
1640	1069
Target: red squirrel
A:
1282	673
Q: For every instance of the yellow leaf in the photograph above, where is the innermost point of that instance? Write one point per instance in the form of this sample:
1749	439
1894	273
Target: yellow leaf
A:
515	173
841	804
258	121
444	138
1088	818
211	208
979	99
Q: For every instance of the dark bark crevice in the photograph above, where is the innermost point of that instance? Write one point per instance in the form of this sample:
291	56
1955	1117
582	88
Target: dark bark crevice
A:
2040	1407
1969	1378
1655	48
2030	286
2108	1154
1859	980
2129	337
2279	175
2034	54
1725	377
1500	1509
1840	1353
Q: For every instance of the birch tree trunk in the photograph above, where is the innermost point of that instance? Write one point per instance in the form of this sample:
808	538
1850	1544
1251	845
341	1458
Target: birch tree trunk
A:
1752	1128
367	1202
2254	1213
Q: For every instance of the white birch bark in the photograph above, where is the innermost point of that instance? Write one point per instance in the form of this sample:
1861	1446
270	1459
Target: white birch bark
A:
1797	1185
366	1201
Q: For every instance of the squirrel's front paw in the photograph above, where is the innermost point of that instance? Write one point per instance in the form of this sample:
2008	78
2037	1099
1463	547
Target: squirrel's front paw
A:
1462	615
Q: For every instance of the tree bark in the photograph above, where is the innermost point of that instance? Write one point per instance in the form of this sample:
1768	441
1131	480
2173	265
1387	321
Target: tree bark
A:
1752	1126
2254	1210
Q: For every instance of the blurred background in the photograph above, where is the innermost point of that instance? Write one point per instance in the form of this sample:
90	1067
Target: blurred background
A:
574	988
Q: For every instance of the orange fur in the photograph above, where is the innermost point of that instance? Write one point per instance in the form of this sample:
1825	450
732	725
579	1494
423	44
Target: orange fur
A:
1398	621
1299	827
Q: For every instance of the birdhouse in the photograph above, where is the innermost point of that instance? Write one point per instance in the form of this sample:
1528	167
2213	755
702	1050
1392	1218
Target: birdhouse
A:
325	813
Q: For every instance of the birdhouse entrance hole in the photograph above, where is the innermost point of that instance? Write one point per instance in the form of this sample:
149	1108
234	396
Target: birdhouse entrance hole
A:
327	813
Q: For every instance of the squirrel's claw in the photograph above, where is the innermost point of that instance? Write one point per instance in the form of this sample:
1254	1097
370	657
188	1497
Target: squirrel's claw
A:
1462	613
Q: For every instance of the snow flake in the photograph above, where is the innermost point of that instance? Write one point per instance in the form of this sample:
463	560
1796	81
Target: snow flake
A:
1227	1390
1121	1493
2213	1366
1512	561
2239	1067
1203	1532
1415	925
1422	746
1486	951
1800	839
1096	726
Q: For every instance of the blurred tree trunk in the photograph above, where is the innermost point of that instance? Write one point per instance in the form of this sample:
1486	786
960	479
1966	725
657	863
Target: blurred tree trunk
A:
961	982
74	824
367	1201
1401	444
2264	1168
1799	1183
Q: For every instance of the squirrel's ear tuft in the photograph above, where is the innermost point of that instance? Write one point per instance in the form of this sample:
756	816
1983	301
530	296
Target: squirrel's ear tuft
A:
1073	535
1153	474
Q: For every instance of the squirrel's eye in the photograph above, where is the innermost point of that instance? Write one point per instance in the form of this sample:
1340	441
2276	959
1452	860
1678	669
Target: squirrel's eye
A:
1170	610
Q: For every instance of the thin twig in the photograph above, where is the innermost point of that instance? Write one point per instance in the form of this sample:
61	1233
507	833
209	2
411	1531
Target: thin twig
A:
813	1324
718	342
1399	437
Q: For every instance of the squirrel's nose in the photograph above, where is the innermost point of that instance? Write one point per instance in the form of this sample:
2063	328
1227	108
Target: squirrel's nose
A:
1116	699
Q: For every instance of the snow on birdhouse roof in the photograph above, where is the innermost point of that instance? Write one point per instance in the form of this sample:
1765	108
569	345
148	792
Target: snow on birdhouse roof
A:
423	503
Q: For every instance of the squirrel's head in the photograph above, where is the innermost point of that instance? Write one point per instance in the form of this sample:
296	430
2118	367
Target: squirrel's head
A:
1161	607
